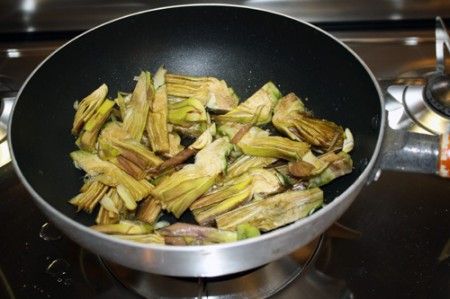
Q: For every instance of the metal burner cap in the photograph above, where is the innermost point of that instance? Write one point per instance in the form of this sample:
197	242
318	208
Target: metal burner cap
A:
437	94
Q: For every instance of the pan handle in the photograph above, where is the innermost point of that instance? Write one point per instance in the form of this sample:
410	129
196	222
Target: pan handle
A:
413	152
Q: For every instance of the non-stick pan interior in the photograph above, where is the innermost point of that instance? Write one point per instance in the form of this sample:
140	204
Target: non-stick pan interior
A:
245	47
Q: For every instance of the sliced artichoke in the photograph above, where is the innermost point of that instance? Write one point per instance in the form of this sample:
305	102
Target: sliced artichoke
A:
257	142
189	234
211	92
131	190
261	102
273	212
158	132
117	146
137	108
254	183
177	192
291	118
87	107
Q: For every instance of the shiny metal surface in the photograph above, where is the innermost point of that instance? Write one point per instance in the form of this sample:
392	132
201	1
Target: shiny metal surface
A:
67	15
442	42
411	111
263	282
6	105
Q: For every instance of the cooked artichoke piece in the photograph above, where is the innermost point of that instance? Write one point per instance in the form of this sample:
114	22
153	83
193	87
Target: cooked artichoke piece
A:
221	200
273	212
144	238
310	165
300	169
149	210
257	142
117	146
245	163
262	102
194	131
235	192
124	227
157	129
211	92
122	101
348	141
188	117
87	107
187	113
189	234
230	129
291	118
137	108
91	193
175	145
338	165
203	140
247	231
89	134
177	192
103	217
108	203
112	208
129	189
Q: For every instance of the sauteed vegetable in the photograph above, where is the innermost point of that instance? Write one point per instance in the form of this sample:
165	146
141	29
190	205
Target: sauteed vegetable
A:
245	169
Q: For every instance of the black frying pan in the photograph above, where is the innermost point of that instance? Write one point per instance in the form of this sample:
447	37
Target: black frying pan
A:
245	47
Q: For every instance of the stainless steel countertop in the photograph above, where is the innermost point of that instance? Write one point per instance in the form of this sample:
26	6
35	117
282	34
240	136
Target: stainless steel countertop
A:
67	15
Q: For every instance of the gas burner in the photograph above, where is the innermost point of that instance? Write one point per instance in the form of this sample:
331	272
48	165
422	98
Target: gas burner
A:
422	105
261	282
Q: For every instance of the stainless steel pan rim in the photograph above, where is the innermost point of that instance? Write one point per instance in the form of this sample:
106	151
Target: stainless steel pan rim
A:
51	212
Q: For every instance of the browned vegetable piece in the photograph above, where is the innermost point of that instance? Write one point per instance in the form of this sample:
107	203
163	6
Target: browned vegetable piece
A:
117	146
272	212
158	132
211	92
235	192
261	103
291	118
339	164
177	192
245	163
129	189
112	208
87	107
300	168
137	108
189	234
203	140
91	193
149	210
124	227
258	142
89	134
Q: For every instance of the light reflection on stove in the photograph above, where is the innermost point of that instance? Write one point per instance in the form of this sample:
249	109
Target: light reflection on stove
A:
49	233
59	269
13	53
